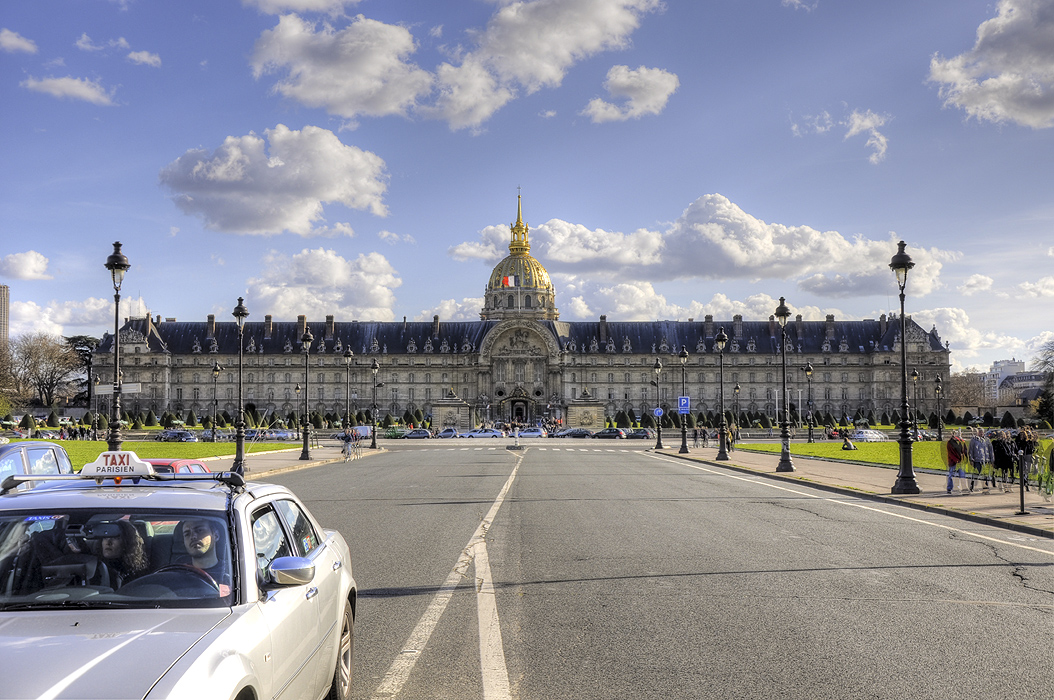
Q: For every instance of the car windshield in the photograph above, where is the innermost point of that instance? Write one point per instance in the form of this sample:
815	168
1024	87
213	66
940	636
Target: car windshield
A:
114	559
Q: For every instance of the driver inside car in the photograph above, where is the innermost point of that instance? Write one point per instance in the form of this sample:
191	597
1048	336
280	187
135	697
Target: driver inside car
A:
201	539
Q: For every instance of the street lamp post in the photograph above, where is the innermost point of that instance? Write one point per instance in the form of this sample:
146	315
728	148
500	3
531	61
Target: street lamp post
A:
808	380
720	340
915	390
375	367
117	264
785	464
240	313
300	418
658	397
683	355
216	369
939	390
348	354
305	342
735	404
95	415
901	264
89	383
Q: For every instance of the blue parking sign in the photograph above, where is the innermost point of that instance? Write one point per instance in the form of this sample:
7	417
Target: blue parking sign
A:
684	405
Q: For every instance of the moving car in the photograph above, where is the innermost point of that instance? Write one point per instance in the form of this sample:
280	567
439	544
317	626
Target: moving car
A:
573	433
448	433
417	434
533	433
178	466
612	433
867	436
171	435
642	434
483	433
33	458
135	584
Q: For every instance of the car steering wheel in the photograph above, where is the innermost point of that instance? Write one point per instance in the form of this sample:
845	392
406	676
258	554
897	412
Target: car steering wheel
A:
189	569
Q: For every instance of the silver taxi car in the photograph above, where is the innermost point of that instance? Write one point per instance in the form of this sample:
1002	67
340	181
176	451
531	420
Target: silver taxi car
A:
120	583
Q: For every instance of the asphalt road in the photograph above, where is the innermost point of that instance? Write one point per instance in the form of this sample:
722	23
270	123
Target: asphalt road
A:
605	572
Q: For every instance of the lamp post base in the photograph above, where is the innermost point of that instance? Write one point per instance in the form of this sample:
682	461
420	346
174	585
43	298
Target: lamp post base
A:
684	440
906	486
658	438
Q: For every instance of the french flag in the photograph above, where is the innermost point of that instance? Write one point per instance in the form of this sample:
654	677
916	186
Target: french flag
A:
509	281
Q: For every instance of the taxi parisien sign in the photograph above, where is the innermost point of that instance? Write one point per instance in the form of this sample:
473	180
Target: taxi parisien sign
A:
119	463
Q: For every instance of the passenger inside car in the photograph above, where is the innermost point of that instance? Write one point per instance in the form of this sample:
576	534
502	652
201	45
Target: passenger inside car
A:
120	546
201	539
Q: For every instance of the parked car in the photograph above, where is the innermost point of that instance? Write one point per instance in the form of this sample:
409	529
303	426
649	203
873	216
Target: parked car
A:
417	434
867	436
241	592
610	433
20	458
178	466
642	434
448	433
484	433
171	435
533	433
573	433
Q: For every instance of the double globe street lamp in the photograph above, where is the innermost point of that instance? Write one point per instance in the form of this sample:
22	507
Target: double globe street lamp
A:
808	378
216	369
375	368
117	264
683	355
658	398
939	390
348	355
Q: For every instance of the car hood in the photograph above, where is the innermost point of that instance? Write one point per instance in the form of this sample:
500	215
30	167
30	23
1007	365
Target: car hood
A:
87	654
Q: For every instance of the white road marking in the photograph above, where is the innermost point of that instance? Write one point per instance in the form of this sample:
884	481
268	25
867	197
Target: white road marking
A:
765	482
492	656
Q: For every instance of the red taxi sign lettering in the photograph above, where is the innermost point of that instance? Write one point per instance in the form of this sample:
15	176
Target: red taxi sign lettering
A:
117	464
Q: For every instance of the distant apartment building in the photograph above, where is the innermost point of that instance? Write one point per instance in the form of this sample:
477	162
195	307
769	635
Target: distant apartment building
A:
5	305
993	379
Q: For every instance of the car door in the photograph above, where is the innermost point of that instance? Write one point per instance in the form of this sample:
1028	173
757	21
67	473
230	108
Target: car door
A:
308	543
291	613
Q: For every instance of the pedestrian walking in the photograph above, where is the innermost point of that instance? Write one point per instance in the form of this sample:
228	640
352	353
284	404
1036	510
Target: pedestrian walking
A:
981	458
1026	442
695	437
955	452
1003	449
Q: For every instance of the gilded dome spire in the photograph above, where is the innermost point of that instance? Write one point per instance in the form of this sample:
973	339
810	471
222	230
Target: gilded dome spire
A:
519	244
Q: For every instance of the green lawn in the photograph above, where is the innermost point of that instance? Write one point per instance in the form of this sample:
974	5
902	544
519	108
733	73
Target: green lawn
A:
925	455
83	451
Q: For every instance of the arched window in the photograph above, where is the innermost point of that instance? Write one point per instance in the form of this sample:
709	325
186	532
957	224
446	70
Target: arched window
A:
527	302
512	302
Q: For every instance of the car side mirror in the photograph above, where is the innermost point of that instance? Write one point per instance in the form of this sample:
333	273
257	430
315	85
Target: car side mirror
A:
291	571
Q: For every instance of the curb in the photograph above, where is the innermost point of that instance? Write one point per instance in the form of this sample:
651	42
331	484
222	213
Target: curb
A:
852	491
307	465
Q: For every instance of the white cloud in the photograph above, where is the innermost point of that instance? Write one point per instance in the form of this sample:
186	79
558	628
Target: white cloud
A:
248	185
815	124
30	265
531	45
451	310
145	58
966	339
800	5
975	284
868	122
13	42
1008	75
70	317
318	282
275	7
360	69
645	90
715	239
392	238
84	43
73	88
1042	288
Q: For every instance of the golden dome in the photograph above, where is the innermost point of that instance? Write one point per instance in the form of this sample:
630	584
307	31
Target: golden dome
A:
519	286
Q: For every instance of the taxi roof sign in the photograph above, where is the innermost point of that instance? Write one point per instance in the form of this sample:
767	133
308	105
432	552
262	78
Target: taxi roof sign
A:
118	463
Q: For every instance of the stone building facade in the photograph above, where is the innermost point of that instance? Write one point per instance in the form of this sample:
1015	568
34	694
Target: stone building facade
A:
520	363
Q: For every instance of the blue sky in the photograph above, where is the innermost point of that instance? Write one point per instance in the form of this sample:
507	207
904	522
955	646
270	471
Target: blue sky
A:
362	158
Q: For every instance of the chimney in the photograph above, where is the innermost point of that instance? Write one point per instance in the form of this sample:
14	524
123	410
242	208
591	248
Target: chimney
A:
772	326
882	324
404	323
737	326
829	334
158	321
301	328
268	327
799	328
603	329
210	327
435	326
708	321
329	327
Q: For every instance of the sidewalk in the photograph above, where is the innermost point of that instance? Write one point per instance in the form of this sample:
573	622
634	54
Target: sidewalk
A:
261	464
875	482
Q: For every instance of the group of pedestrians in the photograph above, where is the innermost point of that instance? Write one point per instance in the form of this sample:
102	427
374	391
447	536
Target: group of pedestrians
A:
997	459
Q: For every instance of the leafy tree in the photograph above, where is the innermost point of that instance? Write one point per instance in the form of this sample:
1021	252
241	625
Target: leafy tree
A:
388	421
647	421
137	424
632	416
950	418
104	421
967	417
27	422
192	419
1007	421
53	419
765	422
690	420
622	420
895	418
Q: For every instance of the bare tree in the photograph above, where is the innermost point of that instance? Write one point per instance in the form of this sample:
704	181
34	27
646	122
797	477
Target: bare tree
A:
42	364
1044	362
965	389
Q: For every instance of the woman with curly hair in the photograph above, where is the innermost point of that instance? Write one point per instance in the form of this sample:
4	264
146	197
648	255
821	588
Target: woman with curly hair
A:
125	556
1004	454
